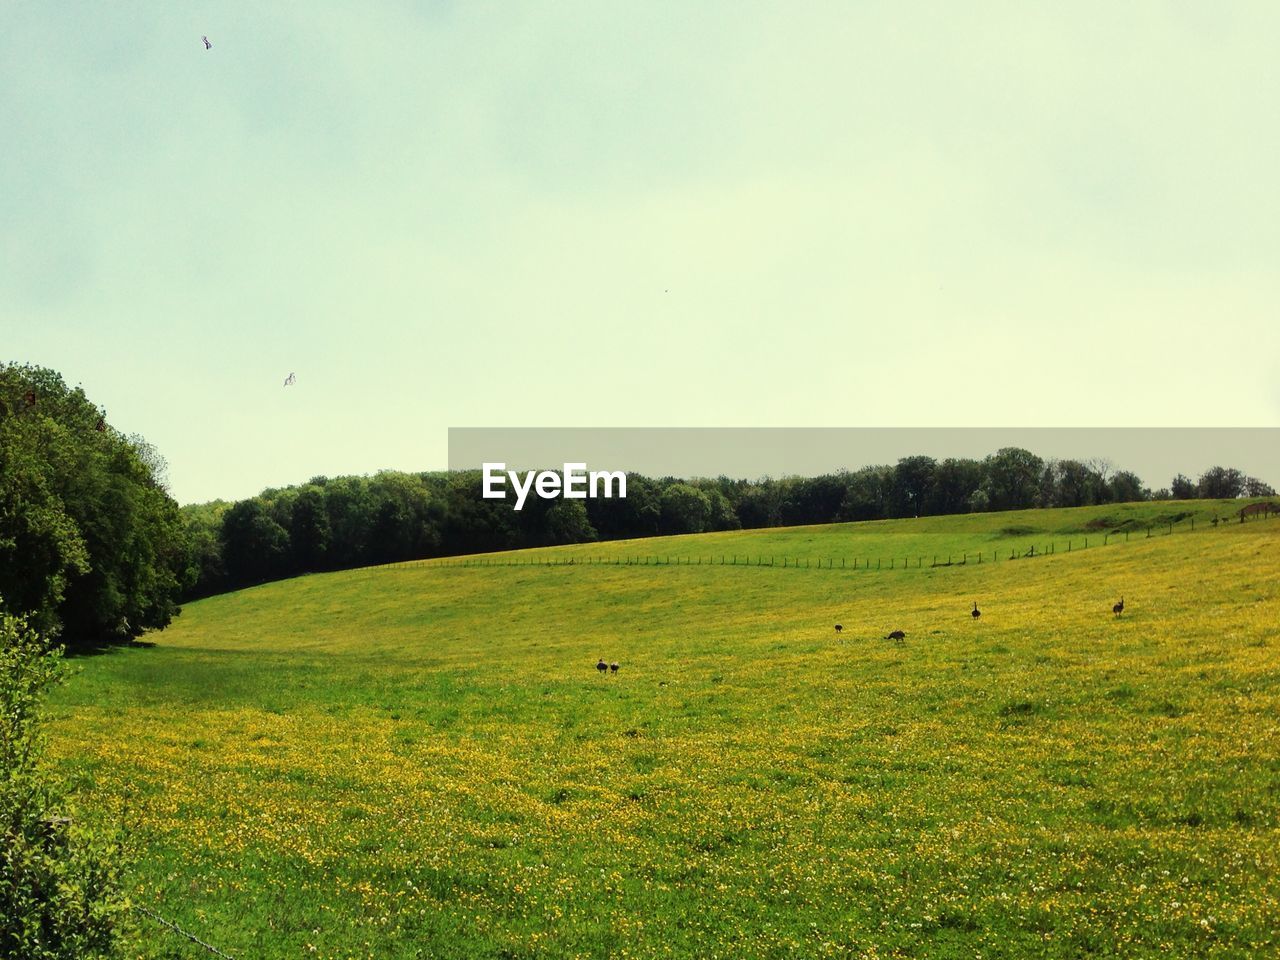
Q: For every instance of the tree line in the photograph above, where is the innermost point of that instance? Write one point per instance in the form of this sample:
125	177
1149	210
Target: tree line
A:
94	549
333	524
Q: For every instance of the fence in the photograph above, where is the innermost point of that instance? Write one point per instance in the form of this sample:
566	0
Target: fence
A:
860	563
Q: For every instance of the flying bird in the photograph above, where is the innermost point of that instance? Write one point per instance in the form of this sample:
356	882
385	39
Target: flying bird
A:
290	380
207	44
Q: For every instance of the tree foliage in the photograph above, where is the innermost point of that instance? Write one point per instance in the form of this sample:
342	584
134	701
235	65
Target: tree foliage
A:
91	544
60	894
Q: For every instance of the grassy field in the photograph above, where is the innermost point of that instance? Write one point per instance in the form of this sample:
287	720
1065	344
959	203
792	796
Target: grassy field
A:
424	762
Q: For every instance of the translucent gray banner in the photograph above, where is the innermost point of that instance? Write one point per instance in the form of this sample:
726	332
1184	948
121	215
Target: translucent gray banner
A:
1156	455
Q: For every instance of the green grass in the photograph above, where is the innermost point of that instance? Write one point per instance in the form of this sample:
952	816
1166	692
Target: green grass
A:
423	761
924	538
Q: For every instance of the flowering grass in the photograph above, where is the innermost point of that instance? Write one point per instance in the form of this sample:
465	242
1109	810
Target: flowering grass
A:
424	762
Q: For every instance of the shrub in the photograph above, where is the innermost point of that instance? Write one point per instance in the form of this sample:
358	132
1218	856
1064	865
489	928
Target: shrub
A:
60	896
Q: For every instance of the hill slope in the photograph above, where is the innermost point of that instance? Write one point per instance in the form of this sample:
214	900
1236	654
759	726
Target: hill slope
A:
424	762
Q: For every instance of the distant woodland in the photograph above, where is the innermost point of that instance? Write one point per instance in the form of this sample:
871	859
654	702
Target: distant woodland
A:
94	549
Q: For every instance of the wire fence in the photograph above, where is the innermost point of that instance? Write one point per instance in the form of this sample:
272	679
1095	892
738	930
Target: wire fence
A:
915	561
173	927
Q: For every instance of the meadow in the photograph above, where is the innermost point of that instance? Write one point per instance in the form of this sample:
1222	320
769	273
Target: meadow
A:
424	762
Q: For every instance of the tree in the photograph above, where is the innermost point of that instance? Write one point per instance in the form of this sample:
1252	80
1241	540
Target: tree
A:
1221	483
1253	487
685	509
722	515
867	494
979	501
913	480
955	480
567	522
60	891
84	510
254	547
41	547
204	571
1076	485
760	505
1126	487
1013	475
811	499
1183	488
404	518
309	531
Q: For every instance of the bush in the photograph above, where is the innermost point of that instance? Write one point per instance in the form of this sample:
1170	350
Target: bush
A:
60	895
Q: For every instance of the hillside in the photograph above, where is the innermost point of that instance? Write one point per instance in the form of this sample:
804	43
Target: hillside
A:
423	761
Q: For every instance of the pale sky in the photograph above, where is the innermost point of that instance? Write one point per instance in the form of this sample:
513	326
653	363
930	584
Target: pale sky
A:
644	214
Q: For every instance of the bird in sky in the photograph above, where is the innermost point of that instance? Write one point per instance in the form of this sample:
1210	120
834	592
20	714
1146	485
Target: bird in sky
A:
207	44
290	380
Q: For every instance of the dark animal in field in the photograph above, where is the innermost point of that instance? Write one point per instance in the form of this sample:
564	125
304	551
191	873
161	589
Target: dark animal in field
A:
976	612
1118	608
839	628
602	666
613	667
205	41
896	635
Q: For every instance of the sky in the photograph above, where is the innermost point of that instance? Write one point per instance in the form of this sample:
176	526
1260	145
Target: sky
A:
648	214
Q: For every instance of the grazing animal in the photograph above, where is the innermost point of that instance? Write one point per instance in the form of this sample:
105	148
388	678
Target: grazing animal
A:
896	635
613	667
602	666
205	41
976	612
1118	608
838	628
